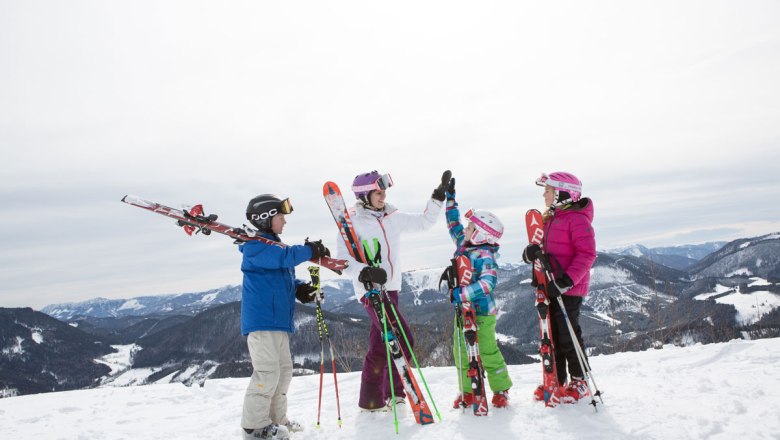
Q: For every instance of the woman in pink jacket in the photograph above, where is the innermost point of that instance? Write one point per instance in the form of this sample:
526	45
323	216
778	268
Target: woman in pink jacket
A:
570	244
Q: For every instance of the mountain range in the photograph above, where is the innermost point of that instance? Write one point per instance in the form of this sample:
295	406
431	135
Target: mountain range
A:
730	290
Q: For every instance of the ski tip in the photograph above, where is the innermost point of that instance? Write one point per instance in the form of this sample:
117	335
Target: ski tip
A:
330	188
137	201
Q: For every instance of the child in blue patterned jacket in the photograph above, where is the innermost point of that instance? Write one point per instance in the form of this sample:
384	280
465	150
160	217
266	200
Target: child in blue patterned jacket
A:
479	242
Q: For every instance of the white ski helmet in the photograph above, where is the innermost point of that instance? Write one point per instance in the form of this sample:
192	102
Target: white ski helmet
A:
487	227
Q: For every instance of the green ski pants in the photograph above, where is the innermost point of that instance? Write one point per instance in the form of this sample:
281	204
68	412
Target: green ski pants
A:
492	359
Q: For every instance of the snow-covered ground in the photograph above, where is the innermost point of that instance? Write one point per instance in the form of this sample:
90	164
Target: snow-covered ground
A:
717	391
750	306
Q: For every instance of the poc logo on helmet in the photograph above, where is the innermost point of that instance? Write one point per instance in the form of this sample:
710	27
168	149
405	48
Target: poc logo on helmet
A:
264	215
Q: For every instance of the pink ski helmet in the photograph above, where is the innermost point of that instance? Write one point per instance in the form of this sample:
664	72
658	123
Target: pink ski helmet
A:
487	227
562	181
367	182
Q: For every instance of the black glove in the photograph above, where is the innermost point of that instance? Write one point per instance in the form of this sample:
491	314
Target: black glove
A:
451	189
559	286
531	253
440	193
318	249
371	274
305	293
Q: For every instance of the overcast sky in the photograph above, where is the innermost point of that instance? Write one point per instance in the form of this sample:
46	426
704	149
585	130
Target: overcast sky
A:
667	111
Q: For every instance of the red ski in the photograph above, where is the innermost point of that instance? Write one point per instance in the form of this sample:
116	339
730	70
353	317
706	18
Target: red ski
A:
535	226
338	209
476	371
422	413
194	221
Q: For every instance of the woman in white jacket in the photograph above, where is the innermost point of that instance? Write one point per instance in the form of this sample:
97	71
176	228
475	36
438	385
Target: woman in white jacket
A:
379	226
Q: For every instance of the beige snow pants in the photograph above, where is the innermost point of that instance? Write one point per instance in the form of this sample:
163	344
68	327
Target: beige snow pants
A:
265	401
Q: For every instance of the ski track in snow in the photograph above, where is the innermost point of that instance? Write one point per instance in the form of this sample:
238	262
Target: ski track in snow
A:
716	391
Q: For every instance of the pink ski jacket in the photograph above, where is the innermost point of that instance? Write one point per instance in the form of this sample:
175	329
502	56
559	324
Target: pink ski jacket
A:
570	241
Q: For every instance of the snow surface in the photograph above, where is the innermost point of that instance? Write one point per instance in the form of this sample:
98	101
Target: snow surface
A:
37	336
132	304
121	360
719	289
756	281
741	271
751	306
423	279
608	275
15	349
716	391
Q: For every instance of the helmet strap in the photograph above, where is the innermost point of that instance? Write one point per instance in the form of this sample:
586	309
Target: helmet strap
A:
556	203
366	201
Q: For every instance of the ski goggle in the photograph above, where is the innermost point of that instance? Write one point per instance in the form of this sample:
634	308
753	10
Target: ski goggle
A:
285	208
481	229
477	236
383	182
557	184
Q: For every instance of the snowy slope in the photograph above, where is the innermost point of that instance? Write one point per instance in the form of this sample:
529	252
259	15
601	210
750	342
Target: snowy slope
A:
750	306
421	280
717	391
181	304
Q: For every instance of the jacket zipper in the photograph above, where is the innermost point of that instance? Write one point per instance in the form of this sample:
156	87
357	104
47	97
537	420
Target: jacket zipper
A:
387	243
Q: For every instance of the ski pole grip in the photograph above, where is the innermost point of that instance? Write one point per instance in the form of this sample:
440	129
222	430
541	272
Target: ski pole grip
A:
314	271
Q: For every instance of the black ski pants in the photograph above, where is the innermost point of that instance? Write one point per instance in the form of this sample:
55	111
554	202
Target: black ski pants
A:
565	353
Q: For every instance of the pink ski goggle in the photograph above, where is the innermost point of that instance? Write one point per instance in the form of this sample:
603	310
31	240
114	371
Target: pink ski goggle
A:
478	236
383	182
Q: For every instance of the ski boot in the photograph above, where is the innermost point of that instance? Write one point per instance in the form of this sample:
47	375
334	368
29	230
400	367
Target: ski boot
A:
501	399
576	389
464	400
271	432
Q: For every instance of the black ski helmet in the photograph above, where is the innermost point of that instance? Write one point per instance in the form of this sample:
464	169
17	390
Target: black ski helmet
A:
263	207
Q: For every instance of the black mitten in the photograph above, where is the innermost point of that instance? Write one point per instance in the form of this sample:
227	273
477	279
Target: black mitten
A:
318	250
305	293
559	286
440	193
531	253
371	274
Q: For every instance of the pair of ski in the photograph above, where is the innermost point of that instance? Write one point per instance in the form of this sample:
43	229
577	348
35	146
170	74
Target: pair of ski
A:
544	274
194	221
459	274
393	332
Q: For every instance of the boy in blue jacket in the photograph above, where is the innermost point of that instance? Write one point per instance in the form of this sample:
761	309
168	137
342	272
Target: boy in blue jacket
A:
267	308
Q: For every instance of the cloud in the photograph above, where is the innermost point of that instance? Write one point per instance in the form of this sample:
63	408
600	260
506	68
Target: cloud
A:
673	133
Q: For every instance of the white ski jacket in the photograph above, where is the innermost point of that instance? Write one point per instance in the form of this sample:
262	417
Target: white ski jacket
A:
386	227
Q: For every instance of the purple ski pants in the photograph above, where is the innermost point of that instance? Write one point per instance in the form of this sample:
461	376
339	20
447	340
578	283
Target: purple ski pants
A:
375	382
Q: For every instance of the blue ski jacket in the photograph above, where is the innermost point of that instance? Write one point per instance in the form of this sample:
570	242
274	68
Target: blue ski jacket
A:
268	291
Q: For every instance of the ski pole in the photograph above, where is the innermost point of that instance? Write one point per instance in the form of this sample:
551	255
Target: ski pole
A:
335	379
459	333
449	275
314	271
322	369
584	365
581	359
414	358
389	363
